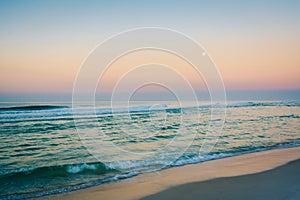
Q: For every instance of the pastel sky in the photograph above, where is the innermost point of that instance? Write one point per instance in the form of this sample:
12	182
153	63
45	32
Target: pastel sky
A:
255	44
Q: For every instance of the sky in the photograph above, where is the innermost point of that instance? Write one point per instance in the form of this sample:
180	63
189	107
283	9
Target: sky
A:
255	44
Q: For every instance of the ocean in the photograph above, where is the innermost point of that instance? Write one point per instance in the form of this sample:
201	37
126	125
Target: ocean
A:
41	152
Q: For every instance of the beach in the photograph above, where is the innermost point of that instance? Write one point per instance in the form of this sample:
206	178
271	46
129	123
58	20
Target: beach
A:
112	100
45	152
260	175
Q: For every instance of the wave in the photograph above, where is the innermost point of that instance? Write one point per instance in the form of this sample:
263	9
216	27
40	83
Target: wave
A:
58	179
32	107
45	113
69	188
53	112
60	170
64	171
99	168
196	158
259	104
252	104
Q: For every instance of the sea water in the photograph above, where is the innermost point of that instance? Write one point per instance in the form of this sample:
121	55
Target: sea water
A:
41	152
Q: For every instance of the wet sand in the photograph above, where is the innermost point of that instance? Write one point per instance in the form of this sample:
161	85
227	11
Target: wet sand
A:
260	175
280	183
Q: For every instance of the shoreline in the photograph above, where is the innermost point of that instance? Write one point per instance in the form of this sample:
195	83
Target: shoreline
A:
280	183
152	183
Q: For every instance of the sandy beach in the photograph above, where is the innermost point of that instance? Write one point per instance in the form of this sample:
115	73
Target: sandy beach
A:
282	182
261	175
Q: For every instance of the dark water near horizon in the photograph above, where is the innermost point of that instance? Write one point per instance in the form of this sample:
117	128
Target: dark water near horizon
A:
41	152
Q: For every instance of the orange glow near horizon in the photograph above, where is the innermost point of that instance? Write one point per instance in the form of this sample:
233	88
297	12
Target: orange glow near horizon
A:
147	64
240	70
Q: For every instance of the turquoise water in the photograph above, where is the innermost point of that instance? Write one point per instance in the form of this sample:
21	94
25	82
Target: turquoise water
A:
41	152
